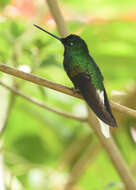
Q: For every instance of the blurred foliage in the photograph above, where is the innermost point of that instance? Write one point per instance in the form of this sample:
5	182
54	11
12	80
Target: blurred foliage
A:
35	139
3	3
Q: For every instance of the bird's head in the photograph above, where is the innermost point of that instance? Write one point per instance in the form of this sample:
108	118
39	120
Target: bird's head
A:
72	43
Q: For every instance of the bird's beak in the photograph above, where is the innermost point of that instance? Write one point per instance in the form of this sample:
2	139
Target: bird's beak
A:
60	39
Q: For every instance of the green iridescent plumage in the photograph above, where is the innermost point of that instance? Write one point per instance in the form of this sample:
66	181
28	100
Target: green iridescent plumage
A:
78	60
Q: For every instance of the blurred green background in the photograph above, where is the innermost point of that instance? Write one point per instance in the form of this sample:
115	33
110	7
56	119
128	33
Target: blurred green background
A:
40	148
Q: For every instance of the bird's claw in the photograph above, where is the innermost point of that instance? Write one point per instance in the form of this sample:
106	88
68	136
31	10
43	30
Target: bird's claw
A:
76	90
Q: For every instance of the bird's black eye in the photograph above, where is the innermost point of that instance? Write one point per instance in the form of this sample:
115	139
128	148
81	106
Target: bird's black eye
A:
71	43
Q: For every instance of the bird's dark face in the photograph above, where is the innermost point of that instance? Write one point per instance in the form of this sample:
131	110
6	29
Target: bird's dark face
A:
74	43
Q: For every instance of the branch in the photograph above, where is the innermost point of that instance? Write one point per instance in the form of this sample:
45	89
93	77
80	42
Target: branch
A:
73	151
7	114
37	80
59	19
123	109
113	152
40	81
82	164
37	102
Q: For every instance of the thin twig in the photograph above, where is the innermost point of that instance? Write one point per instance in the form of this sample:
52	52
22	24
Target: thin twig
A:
82	164
5	109
37	102
123	109
40	81
59	19
73	151
37	80
109	144
113	152
10	106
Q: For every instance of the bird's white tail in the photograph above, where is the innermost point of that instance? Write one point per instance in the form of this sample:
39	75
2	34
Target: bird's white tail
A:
104	129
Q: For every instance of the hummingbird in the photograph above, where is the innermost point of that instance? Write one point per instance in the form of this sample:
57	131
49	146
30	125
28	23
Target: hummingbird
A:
87	78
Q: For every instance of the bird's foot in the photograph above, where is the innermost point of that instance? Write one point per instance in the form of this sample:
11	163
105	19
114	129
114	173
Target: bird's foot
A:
76	90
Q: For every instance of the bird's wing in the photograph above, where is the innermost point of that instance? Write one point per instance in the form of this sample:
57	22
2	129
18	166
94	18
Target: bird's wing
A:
96	99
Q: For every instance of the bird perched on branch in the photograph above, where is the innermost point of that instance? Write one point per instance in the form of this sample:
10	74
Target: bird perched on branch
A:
87	78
